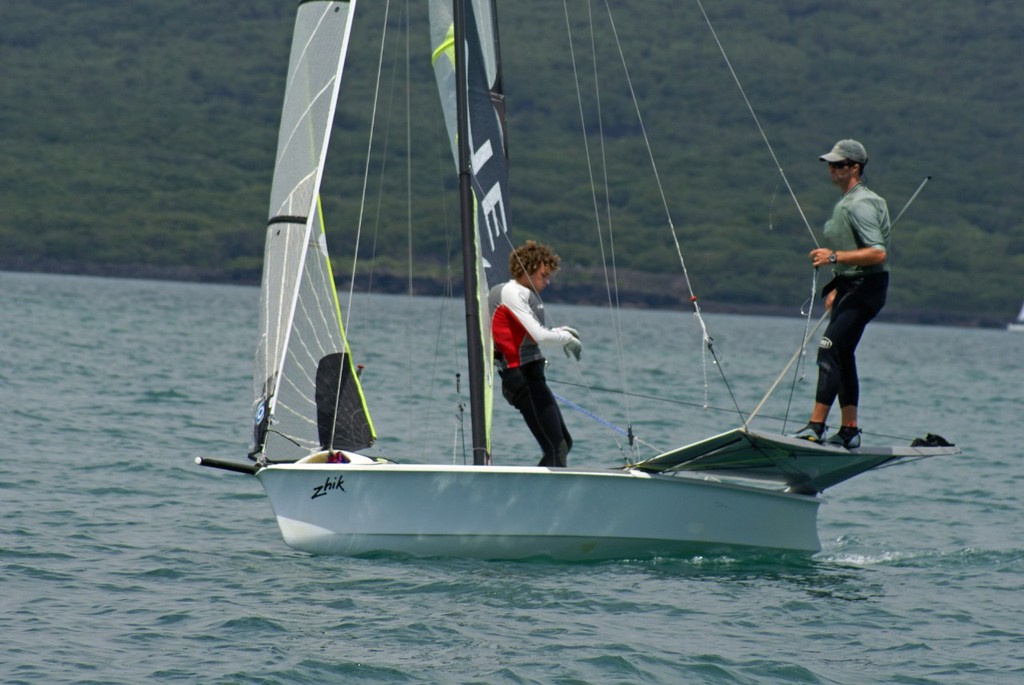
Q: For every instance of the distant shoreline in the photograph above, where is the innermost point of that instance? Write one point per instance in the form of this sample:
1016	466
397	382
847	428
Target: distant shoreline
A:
648	296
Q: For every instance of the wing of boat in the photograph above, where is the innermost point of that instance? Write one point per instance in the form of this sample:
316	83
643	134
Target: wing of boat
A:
799	465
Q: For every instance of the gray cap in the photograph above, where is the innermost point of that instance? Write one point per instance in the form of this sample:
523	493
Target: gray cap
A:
846	149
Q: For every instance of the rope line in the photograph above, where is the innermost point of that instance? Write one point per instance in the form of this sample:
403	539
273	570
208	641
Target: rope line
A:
670	400
602	421
366	172
609	285
706	337
757	122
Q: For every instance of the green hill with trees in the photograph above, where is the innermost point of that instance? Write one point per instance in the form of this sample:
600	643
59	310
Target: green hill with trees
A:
137	138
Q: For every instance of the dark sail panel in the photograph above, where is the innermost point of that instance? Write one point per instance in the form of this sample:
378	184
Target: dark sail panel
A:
340	419
489	156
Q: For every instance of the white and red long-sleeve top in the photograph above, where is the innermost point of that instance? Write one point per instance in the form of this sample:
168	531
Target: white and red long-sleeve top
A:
517	324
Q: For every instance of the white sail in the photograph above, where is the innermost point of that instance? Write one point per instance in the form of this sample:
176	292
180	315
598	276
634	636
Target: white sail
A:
1017	325
302	355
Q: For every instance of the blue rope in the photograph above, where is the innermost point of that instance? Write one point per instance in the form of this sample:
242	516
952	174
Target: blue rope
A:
591	415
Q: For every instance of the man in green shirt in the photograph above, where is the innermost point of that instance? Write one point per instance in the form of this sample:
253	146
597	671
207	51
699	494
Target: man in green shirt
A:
856	240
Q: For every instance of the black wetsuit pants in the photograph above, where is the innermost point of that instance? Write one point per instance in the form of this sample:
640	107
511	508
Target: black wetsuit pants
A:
527	390
858	301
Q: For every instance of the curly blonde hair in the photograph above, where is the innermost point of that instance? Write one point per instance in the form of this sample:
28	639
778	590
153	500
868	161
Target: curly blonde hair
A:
529	257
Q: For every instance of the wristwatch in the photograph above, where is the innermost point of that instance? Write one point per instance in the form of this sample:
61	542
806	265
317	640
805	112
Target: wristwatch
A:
832	257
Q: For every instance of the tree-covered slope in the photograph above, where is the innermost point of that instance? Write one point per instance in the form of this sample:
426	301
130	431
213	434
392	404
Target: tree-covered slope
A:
138	137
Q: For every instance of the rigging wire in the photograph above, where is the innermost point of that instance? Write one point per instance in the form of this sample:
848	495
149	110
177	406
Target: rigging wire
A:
611	284
708	341
789	188
757	122
800	352
369	156
410	361
796	202
684	403
909	202
604	422
380	119
806	311
408	148
442	329
650	155
460	422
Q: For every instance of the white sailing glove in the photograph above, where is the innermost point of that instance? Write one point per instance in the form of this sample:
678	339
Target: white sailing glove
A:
574	347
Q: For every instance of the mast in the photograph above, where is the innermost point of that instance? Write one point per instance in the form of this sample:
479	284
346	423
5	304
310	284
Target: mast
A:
464	55
467	213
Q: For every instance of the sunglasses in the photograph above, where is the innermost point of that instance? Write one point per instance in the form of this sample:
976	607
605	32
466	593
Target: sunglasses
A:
841	165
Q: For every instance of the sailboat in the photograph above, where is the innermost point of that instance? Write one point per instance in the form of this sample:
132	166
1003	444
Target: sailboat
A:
739	490
1018	324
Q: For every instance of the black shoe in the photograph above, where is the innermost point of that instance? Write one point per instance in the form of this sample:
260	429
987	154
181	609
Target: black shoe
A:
847	436
813	431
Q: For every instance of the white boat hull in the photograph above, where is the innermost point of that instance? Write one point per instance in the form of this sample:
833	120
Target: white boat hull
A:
501	512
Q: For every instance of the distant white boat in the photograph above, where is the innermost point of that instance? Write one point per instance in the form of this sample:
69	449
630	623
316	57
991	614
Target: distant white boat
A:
1017	325
738	490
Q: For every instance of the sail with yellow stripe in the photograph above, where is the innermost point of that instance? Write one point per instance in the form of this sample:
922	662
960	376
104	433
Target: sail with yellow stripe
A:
307	391
484	164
